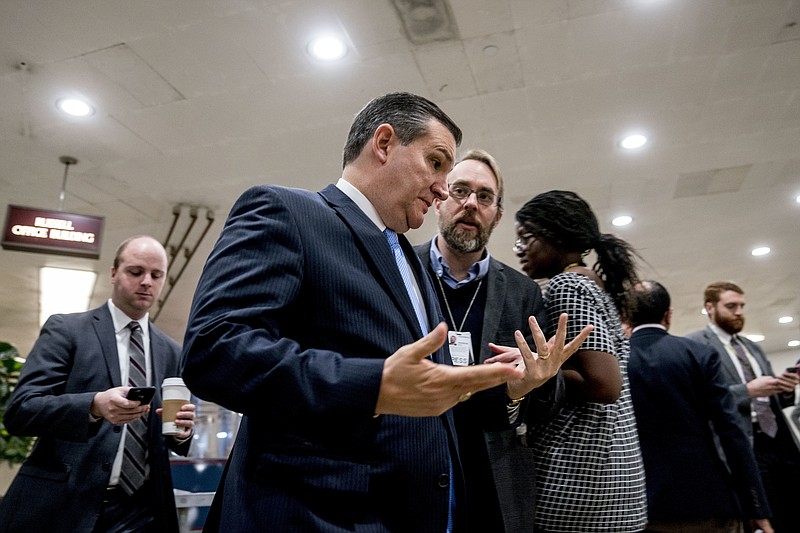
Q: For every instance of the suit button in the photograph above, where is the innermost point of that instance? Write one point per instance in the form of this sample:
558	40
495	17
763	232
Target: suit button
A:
117	429
106	467
444	480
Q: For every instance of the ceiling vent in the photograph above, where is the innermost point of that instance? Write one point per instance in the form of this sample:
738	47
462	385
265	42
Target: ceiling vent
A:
426	21
712	181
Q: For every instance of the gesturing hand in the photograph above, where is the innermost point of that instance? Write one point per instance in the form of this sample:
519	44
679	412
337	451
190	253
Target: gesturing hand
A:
412	385
542	365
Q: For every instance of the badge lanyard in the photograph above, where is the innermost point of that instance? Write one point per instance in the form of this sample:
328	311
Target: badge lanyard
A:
447	304
460	341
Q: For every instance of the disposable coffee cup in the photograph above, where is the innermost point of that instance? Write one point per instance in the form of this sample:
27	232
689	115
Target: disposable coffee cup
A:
174	394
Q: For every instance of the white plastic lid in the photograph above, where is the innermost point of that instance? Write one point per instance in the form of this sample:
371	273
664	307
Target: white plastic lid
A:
173	382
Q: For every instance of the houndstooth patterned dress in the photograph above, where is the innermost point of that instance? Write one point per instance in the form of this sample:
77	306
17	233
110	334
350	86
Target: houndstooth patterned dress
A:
590	476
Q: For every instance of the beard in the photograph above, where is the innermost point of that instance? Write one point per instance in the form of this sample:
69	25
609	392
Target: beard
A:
461	240
731	325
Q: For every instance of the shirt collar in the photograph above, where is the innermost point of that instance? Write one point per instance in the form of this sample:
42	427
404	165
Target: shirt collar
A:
642	326
121	320
724	336
477	271
361	201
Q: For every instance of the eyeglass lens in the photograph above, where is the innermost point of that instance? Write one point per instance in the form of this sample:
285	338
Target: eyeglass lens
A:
461	192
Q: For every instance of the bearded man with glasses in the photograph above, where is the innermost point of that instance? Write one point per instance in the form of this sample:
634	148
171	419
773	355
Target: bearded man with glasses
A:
485	301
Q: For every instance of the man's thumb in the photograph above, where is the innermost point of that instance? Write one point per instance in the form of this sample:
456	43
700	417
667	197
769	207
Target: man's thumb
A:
430	342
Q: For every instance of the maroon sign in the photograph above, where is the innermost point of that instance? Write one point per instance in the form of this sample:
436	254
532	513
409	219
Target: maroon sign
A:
52	232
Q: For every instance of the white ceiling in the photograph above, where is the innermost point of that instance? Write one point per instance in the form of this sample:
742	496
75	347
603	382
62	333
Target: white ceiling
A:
198	99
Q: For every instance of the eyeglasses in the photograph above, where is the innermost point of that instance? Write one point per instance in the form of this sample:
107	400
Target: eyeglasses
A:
522	242
462	192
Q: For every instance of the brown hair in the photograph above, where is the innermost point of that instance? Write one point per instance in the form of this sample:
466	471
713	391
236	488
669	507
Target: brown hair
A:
482	156
712	292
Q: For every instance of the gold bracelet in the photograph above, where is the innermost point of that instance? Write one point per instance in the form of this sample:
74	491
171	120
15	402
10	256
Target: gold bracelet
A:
514	401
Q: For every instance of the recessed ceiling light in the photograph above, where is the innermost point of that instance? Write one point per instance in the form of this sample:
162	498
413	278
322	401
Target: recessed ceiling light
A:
755	338
797	199
761	250
75	107
633	141
327	48
792	344
622	220
785	319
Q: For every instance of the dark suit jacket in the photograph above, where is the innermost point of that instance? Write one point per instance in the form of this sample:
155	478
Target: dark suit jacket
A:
511	298
677	390
298	306
61	485
734	381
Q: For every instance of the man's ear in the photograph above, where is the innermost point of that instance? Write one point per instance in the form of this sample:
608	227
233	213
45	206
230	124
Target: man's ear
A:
667	320
381	140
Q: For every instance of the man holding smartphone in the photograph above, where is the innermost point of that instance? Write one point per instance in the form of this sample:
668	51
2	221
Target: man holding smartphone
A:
760	396
87	391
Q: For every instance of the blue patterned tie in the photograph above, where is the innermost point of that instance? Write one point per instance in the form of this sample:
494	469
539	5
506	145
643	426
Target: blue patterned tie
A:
405	273
134	461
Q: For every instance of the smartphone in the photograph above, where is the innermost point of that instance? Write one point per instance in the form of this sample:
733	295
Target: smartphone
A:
791	369
144	395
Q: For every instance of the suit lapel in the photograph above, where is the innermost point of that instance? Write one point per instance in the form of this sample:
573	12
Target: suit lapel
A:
158	363
423	281
492	314
727	364
107	338
378	254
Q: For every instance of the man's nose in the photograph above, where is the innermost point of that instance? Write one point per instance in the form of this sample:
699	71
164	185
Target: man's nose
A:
471	200
440	190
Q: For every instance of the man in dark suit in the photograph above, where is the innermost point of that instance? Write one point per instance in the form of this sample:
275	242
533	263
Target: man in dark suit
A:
485	301
72	393
678	395
310	318
759	396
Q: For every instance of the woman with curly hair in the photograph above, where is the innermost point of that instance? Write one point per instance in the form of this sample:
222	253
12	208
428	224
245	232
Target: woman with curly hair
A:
590	476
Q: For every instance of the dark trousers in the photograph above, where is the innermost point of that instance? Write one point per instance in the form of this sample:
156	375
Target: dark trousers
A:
127	514
779	463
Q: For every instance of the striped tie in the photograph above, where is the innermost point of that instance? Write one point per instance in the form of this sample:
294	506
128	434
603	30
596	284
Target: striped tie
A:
405	273
134	462
767	421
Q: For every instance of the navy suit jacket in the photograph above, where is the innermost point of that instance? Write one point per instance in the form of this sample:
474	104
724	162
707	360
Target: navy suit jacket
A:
298	306
738	388
511	298
678	390
61	486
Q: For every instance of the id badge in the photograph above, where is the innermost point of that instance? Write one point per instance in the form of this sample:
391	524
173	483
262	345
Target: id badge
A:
460	344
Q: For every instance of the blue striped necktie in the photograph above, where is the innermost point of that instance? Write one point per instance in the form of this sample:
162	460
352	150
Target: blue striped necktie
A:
134	461
405	273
